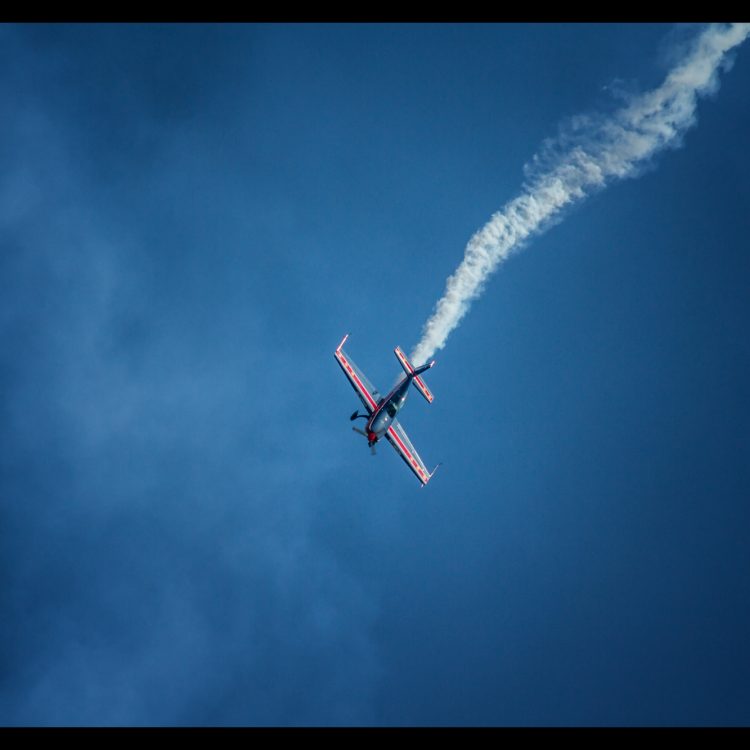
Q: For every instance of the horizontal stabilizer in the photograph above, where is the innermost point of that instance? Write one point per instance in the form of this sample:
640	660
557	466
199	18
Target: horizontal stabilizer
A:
409	370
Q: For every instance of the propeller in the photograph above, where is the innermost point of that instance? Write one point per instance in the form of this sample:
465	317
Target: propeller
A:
364	434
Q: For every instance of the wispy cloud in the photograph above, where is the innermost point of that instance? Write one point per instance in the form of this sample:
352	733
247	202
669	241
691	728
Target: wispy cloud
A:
160	561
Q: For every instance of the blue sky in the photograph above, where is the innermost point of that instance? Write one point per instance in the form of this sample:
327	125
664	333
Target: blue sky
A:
193	216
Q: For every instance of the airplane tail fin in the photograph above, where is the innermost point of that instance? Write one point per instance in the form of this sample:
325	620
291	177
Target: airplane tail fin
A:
415	372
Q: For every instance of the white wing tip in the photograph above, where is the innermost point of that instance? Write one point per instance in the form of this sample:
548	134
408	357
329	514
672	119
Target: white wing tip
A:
432	474
343	341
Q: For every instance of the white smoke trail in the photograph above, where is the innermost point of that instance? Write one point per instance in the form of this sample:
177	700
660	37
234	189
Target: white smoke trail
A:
594	152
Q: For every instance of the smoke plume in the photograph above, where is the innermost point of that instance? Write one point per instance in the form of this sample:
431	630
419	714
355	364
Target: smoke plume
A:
590	153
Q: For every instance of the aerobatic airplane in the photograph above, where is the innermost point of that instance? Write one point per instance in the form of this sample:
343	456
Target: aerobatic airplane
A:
381	412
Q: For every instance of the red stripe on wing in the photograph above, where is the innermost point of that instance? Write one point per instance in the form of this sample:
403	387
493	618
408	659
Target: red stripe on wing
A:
361	387
420	471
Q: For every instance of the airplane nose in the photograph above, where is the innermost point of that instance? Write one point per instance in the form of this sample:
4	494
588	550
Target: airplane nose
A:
372	437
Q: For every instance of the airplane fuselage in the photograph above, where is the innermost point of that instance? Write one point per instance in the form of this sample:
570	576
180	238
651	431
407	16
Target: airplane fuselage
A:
382	418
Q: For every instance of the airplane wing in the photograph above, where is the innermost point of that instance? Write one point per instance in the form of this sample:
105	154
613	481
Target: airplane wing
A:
366	391
398	438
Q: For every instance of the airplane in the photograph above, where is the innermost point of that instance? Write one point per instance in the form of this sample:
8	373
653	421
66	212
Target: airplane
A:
381	411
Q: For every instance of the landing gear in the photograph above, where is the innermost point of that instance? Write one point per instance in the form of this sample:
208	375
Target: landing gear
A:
357	415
